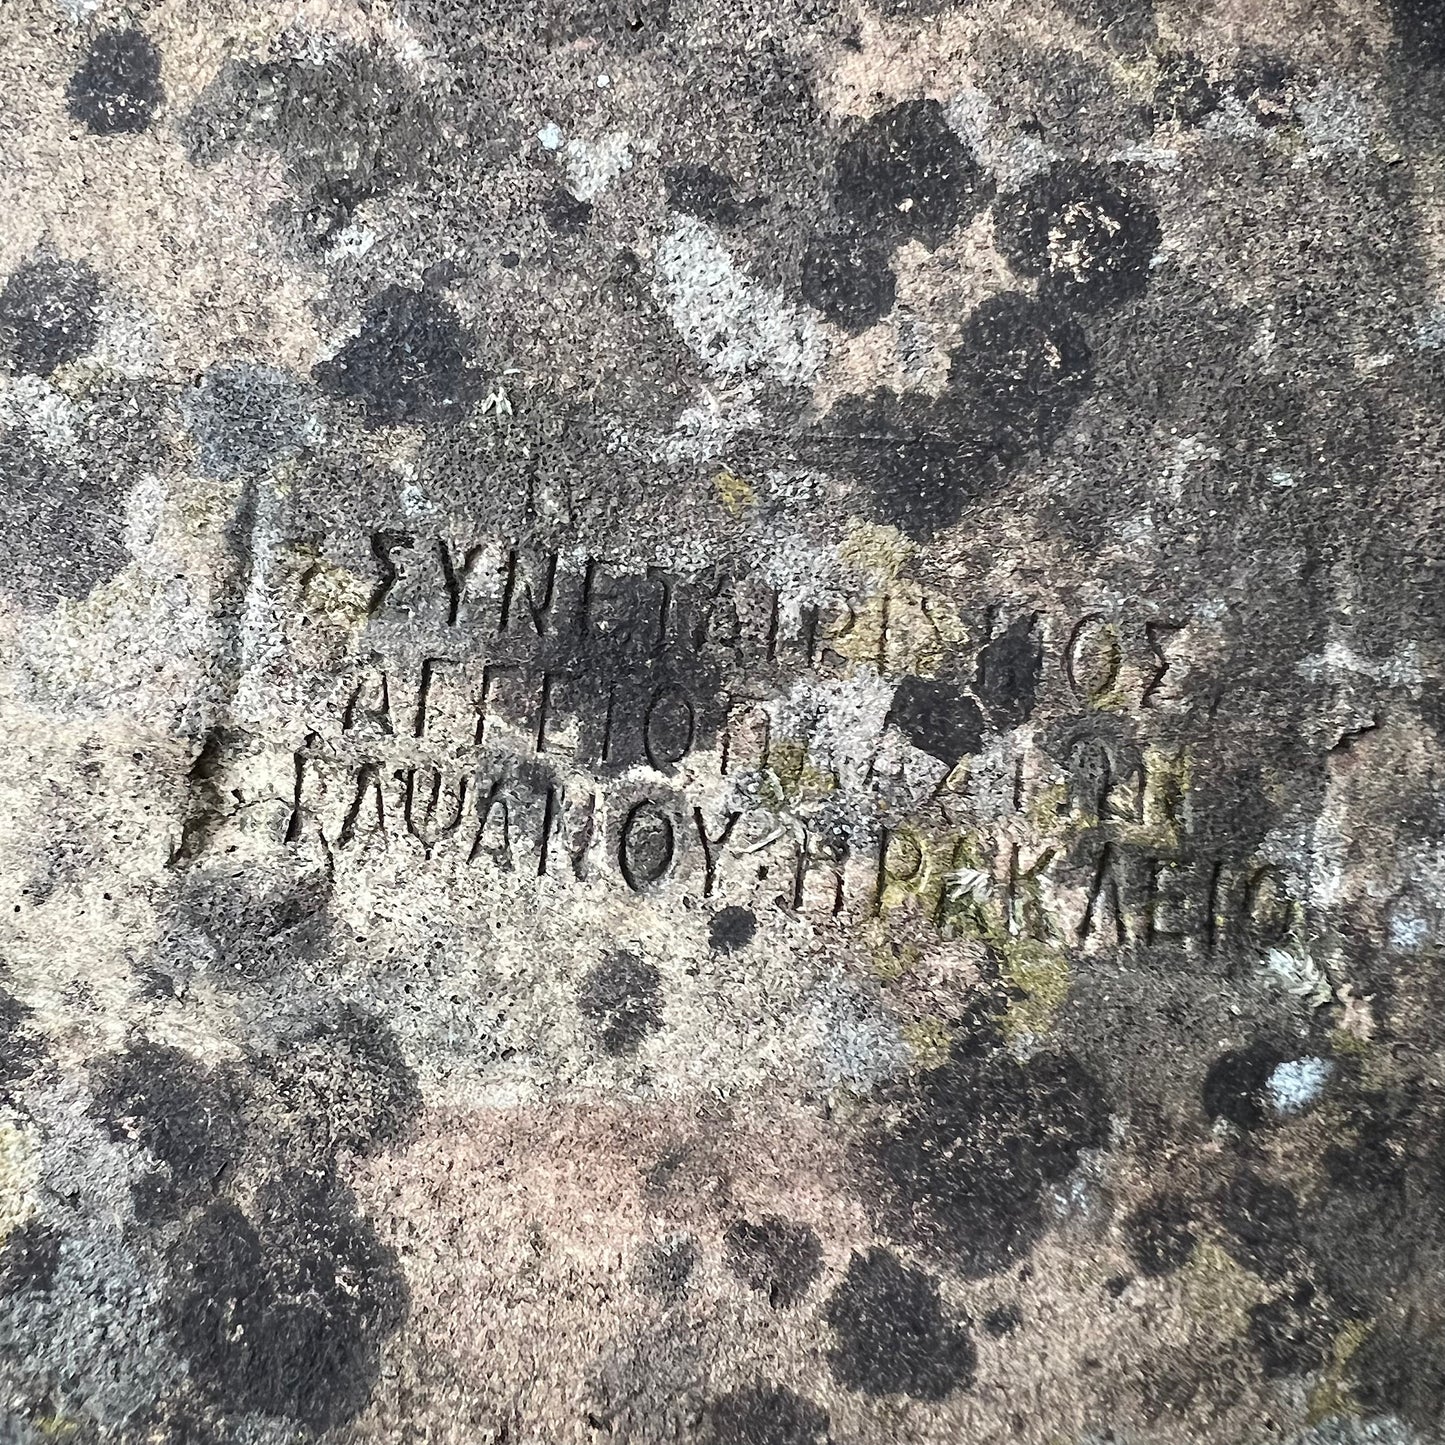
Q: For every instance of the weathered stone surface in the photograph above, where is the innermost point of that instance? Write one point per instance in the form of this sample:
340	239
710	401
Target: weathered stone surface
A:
722	722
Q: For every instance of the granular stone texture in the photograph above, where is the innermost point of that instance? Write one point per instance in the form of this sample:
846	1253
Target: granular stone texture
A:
722	723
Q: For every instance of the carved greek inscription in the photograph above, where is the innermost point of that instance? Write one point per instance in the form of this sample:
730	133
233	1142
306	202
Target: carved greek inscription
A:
554	716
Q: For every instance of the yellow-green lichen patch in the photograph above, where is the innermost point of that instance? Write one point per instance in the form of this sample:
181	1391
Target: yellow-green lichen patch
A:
1045	807
890	957
1218	1291
901	626
789	778
335	597
877	552
905	628
736	493
928	1041
58	1427
1332	1396
1041	973
907	873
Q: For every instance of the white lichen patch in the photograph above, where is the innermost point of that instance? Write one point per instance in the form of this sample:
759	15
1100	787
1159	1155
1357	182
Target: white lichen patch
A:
1011	154
19	1175
735	325
1297	1083
593	165
41	408
853	1046
839	721
1297	975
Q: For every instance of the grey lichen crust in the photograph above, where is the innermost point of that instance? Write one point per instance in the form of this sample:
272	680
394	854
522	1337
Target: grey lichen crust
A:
722	722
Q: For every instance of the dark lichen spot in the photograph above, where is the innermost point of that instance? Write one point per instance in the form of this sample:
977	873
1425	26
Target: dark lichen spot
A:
1009	668
773	1257
343	1085
622	999
1025	363
566	214
187	1115
1021	368
905	173
62	529
169	1422
155	983
1002	1320
1420	29
1235	1087
921	459
701	191
938	718
1399	1369
1291	1334
918	480
283	1314
907	8
1160	1235
19	1051
407	365
1374	1155
764	1414
257	936
1234	811
965	1165
118	88
245	418
688	1173
731	928
29	1258
849	280
1089	243
47	314
329	208
626	25
1262	83
350	127
158	1199
1121	24
891	1336
665	1269
1261	1221
1184	94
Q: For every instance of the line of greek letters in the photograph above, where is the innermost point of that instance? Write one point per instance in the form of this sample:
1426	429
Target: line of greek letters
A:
529	597
1130	895
649	841
454	705
1127	894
